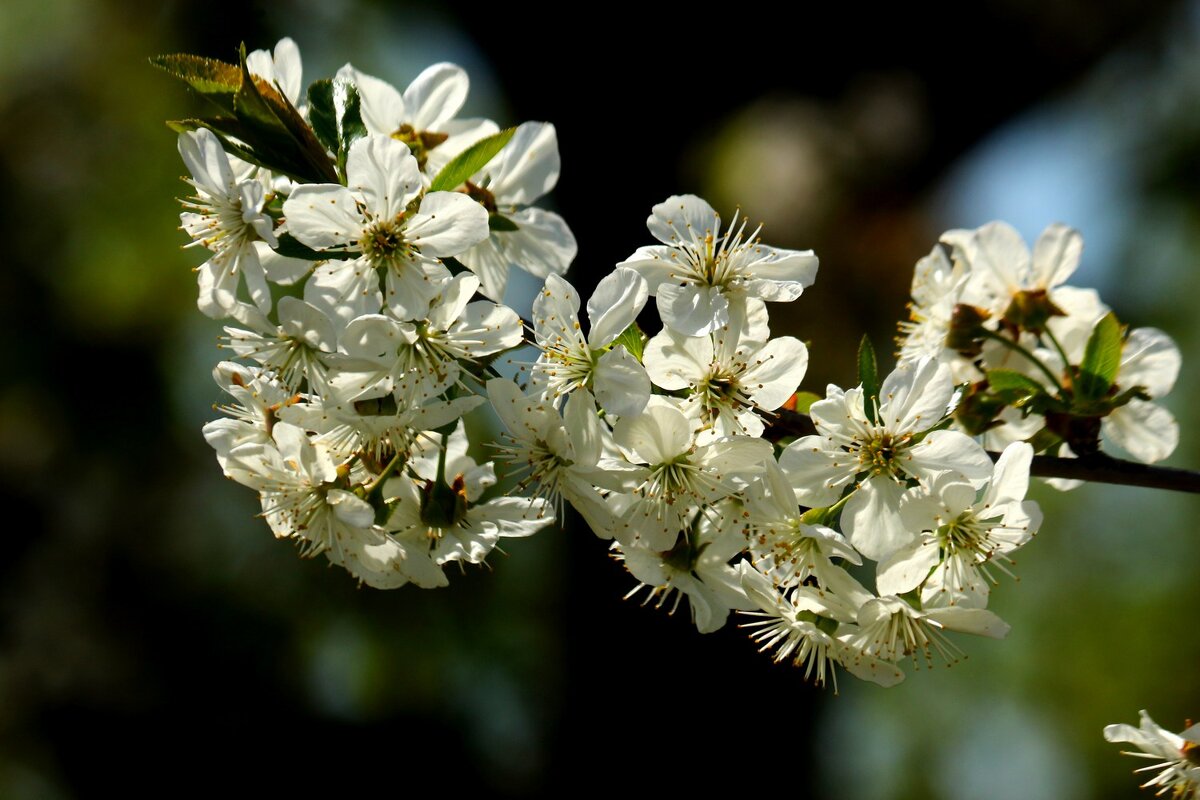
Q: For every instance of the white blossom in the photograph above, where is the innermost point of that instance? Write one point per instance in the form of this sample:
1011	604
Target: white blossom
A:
521	235
1176	767
702	276
374	218
569	360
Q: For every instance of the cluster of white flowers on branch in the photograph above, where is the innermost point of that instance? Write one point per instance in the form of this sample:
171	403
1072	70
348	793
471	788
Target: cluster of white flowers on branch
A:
360	243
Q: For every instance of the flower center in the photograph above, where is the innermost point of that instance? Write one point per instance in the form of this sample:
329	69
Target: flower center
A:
419	142
880	454
384	244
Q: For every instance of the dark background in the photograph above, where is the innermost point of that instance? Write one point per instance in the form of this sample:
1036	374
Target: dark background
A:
153	636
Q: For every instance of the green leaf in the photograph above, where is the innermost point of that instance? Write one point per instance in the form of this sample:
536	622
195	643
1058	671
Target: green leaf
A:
804	401
322	114
1012	387
868	376
213	79
224	128
499	222
470	161
634	340
347	106
1101	359
292	248
274	131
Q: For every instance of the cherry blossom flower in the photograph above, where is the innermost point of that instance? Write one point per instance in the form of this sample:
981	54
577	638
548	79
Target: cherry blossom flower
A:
375	218
1176	756
703	277
521	235
569	360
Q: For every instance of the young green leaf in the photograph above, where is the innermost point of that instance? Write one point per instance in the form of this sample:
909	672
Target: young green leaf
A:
348	113
499	222
212	79
634	340
1012	387
804	401
294	249
1101	359
470	161
868	376
322	114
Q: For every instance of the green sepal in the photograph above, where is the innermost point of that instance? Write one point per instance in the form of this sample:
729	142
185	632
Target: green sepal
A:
868	376
470	161
1045	440
499	222
1101	359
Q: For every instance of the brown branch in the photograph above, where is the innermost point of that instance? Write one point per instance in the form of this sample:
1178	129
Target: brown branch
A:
1106	469
1097	468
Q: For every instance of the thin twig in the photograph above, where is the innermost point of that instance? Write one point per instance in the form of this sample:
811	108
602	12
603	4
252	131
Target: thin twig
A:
1097	468
1100	468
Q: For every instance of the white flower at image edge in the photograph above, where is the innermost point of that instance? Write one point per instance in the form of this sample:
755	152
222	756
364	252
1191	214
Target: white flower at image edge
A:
1176	756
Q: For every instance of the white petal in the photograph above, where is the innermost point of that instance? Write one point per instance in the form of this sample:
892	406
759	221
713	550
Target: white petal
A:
490	265
1010	481
949	450
657	436
435	96
383	109
675	361
351	510
622	385
817	474
781	276
344	290
306	323
324	217
412	287
776	371
1056	255
1149	359
1146	431
281	269
583	425
527	167
683	218
871	519
978	621
612	308
384	173
692	310
541	245
907	568
448	223
206	160
915	398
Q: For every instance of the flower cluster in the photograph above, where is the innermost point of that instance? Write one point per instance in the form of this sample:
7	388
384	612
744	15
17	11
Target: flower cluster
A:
1040	361
360	243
